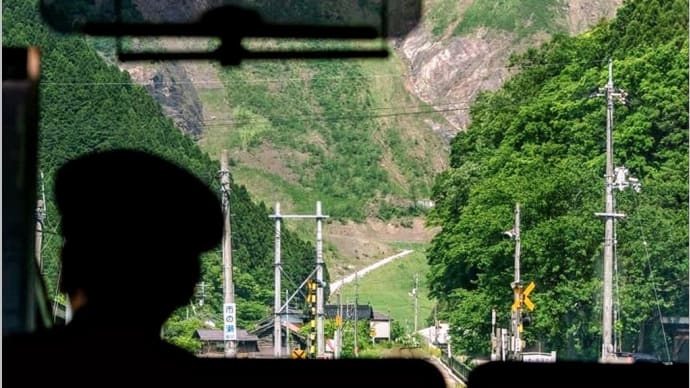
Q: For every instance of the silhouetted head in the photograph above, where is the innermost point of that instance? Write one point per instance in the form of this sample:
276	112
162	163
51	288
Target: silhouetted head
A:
134	226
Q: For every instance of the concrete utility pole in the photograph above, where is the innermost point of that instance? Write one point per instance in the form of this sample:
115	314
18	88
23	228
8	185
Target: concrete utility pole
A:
356	305
229	288
516	313
415	294
436	324
277	332
287	323
615	179
40	219
320	341
494	337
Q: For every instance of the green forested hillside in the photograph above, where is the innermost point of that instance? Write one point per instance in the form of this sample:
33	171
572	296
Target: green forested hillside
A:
522	17
86	104
344	132
540	141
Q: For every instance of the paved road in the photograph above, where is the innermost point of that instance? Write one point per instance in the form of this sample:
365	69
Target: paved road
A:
350	278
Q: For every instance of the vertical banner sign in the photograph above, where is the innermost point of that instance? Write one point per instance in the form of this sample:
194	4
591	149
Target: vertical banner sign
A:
229	322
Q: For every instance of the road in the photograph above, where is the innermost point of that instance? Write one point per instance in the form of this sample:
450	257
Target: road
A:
350	278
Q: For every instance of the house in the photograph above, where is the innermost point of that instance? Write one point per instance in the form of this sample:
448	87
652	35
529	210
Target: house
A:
349	312
380	326
213	343
291	338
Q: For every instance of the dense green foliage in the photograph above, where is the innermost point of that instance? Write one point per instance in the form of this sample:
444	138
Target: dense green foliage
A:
348	329
540	141
86	105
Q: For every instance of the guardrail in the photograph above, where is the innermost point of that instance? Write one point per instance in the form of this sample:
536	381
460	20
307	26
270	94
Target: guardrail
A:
460	369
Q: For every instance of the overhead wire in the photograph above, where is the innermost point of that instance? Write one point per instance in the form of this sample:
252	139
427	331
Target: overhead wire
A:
307	79
651	280
332	118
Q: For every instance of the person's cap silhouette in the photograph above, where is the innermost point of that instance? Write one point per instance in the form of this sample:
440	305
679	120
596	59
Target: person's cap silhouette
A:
134	226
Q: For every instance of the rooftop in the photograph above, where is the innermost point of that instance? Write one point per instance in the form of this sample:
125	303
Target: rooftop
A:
217	335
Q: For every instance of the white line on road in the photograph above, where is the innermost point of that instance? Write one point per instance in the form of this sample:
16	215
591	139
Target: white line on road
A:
350	278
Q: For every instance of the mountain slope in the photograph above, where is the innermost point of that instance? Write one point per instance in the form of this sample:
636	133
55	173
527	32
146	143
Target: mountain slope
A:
364	137
462	47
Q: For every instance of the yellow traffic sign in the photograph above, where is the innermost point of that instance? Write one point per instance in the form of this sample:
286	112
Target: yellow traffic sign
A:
523	297
529	288
526	300
298	354
529	303
515	305
338	321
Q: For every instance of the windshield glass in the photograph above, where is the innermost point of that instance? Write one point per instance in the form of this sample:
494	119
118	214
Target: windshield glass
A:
388	18
510	182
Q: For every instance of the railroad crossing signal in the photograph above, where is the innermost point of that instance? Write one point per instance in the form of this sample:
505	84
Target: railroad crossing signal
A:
298	354
524	297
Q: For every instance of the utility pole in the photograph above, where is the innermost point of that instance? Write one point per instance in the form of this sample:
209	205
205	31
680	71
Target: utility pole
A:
320	341
415	293
494	340
339	328
229	288
436	324
277	332
516	313
615	179
40	219
356	308
287	323
203	294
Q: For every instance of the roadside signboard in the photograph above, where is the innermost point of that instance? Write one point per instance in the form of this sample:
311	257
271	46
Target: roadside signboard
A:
229	322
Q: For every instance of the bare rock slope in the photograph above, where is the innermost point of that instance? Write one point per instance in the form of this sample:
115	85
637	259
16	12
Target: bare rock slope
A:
449	71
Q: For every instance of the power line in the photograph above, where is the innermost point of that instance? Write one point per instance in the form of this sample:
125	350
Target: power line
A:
333	118
228	83
438	104
651	280
301	79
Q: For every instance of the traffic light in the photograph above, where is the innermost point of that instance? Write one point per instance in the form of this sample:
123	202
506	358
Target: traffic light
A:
526	319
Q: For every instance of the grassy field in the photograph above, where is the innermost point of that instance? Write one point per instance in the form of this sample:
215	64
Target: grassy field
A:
387	288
